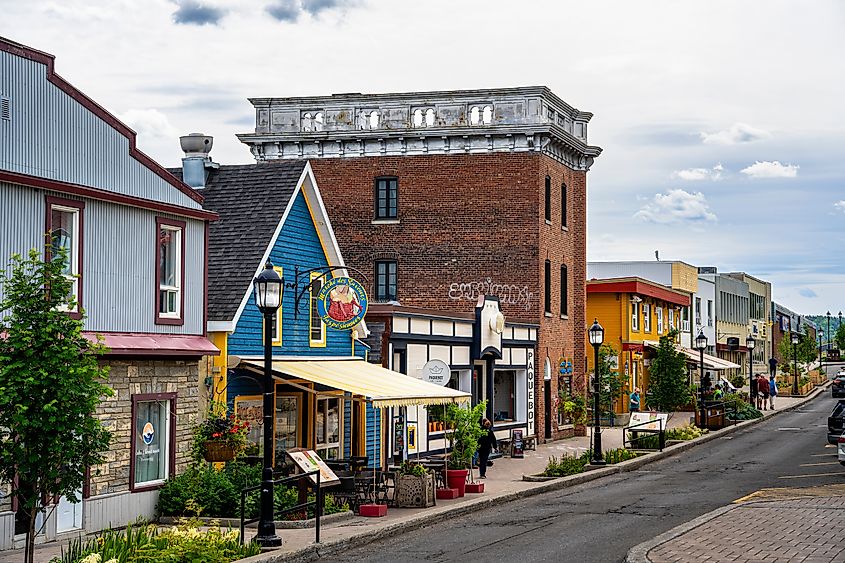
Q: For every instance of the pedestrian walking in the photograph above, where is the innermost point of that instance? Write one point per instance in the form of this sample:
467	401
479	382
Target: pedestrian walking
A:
773	391
773	366
634	400
762	392
485	445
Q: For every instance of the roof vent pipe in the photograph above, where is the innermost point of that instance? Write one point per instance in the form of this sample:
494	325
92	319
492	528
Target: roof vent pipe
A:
196	147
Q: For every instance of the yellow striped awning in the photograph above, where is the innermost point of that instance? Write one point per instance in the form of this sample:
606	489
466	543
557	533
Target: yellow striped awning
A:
383	387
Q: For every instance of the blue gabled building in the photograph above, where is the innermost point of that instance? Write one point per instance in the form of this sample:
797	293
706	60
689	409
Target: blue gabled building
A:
328	398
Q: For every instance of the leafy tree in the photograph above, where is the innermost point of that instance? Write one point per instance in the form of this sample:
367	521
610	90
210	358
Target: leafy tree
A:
668	386
610	382
464	431
840	337
806	350
50	386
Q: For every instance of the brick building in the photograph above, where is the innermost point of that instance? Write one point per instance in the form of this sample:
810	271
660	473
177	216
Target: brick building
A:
441	197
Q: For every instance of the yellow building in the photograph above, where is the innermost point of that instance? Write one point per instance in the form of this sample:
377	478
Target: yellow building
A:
634	313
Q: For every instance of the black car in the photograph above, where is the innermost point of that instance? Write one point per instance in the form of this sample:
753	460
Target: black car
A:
835	423
838	386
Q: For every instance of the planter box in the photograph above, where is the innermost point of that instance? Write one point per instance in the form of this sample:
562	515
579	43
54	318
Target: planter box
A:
475	488
414	491
447	494
372	510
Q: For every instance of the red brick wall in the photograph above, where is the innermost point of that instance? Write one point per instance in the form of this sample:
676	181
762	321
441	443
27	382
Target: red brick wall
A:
465	218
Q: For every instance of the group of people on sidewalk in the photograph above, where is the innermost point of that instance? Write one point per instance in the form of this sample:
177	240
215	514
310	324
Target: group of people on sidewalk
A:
764	391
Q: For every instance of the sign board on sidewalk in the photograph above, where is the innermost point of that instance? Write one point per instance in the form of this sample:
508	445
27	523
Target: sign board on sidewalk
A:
648	421
517	444
308	460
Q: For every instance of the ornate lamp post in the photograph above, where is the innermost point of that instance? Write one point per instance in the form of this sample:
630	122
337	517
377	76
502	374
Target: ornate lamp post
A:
269	290
821	334
749	343
701	345
795	358
596	333
829	334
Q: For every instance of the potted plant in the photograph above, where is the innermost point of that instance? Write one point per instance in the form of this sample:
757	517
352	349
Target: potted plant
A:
219	438
464	432
414	486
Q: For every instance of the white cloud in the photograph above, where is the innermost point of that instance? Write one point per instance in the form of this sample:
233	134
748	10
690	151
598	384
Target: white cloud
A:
696	174
840	205
735	134
676	206
149	124
771	169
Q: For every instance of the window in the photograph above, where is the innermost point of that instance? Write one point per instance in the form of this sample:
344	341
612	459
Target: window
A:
698	310
646	317
65	228
285	433
170	270
709	312
276	319
671	318
317	333
153	445
563	205
328	428
548	288
387	198
564	291
548	199
386	280
635	316
658	313
504	396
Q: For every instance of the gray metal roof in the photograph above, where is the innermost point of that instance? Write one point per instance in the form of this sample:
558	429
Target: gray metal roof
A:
250	200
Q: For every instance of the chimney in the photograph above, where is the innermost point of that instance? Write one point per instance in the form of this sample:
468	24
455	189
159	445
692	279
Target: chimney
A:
196	161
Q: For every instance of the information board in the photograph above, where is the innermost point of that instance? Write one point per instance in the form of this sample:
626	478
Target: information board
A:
517	443
648	421
308	460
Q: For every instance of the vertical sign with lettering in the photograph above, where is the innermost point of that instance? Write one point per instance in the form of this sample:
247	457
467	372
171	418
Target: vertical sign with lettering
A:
530	376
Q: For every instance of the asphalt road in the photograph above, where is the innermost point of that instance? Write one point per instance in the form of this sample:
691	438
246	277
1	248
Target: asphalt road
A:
600	521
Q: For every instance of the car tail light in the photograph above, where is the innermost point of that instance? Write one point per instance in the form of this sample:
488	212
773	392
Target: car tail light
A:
842	439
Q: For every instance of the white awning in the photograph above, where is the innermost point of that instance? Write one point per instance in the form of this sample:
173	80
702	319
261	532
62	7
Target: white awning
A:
694	356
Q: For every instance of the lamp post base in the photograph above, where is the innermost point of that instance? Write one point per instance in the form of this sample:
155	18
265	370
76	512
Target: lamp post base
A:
268	541
598	462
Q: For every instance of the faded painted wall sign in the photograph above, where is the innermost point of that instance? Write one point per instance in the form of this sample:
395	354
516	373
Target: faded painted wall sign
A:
507	293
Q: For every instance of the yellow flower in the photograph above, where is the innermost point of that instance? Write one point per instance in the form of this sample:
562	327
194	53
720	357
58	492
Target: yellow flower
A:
112	560
92	558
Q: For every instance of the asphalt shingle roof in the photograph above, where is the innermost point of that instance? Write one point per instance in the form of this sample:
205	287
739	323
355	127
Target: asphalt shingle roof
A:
250	200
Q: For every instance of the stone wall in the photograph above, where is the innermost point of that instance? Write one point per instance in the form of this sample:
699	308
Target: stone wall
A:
130	377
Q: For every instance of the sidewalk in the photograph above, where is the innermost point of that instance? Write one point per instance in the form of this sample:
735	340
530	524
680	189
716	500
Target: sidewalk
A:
504	483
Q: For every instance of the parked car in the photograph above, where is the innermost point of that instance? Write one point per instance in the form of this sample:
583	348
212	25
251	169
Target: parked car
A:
836	424
841	449
837	388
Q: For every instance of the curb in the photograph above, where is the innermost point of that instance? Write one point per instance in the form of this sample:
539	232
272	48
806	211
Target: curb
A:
422	520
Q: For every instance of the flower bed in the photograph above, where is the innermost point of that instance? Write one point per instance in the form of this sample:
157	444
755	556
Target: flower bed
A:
149	544
570	465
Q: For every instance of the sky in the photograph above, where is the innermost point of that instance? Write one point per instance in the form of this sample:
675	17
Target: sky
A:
721	121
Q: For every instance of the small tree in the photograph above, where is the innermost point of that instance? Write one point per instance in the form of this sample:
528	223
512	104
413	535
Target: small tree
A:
464	431
668	386
840	337
50	386
611	382
806	350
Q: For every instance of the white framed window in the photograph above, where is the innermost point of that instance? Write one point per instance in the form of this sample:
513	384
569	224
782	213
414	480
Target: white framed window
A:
646	317
635	316
328	428
671	318
658	313
153	450
170	270
65	228
317	328
285	427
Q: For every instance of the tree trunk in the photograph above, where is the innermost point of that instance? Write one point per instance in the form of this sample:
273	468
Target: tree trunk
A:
29	551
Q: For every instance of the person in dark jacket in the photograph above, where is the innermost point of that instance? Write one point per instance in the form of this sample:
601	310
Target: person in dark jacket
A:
485	445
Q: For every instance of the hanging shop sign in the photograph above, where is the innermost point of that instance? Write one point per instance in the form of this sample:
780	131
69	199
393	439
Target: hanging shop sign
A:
436	372
342	303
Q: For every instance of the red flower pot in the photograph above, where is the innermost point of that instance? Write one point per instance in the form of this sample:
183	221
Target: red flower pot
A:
457	479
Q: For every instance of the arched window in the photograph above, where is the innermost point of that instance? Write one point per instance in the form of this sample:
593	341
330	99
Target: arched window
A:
474	115
547	369
418	118
487	115
429	117
374	119
306	122
318	121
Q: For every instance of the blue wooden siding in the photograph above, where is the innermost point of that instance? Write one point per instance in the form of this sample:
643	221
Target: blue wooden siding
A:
296	245
347	428
53	136
373	435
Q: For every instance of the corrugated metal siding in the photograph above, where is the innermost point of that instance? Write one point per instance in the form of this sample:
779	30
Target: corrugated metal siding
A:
659	272
51	135
118	270
297	245
7	530
112	511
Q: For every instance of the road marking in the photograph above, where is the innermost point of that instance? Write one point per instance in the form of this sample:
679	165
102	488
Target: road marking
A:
792	428
811	475
822	463
823	455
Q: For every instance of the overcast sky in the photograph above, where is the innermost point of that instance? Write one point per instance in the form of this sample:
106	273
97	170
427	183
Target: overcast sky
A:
721	121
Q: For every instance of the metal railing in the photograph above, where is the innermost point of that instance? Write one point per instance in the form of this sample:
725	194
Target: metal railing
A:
317	503
648	433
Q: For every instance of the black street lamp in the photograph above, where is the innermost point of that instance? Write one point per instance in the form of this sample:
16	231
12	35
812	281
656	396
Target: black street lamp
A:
795	358
821	334
829	334
269	289
749	343
700	345
596	333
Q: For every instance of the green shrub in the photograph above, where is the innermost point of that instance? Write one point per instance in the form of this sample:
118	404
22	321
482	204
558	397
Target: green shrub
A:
688	432
617	455
565	465
199	491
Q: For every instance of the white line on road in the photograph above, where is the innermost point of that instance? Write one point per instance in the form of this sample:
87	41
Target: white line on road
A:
815	464
811	475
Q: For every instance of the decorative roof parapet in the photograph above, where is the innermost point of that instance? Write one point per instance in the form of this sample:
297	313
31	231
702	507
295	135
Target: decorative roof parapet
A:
525	119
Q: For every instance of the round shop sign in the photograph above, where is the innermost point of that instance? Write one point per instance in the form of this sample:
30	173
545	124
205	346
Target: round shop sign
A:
148	434
437	372
342	303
